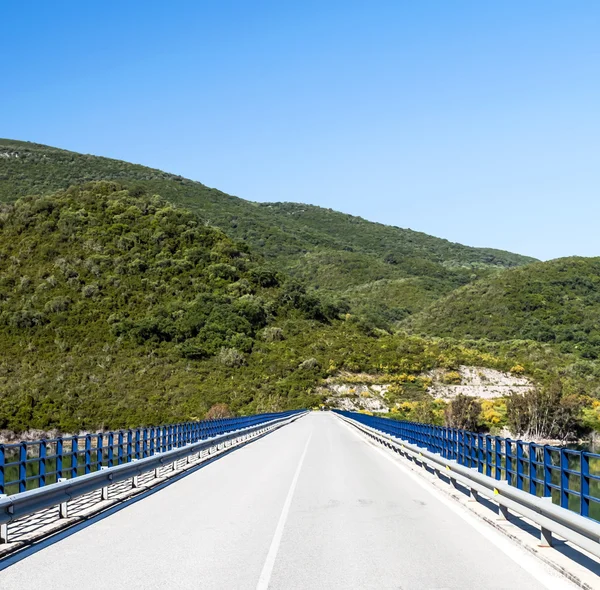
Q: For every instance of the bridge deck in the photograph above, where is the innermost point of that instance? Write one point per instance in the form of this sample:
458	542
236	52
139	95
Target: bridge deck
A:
312	505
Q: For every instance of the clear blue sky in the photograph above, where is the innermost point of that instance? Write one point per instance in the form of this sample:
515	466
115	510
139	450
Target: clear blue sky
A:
475	121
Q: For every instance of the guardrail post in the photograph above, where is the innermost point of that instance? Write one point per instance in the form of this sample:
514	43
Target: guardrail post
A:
3	528
135	481
103	490
503	512
63	508
546	539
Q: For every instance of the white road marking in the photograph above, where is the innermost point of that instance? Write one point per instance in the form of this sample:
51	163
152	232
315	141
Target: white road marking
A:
267	570
526	561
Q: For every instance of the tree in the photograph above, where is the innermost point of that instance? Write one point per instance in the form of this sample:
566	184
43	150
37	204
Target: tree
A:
463	412
544	413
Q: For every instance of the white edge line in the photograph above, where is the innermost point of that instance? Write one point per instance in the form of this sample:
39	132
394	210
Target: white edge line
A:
535	568
267	570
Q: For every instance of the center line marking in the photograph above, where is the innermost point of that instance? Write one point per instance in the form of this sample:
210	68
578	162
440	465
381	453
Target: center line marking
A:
267	570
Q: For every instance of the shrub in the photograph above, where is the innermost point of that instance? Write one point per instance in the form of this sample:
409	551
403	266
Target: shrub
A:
463	412
452	378
309	364
218	411
272	334
545	413
57	304
231	357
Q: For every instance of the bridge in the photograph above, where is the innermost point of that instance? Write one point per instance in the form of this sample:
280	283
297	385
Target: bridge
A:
296	500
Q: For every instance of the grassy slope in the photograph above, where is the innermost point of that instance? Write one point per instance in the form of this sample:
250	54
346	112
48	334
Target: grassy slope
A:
555	302
326	249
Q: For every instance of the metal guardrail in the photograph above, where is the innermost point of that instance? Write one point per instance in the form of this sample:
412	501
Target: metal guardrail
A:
31	464
571	478
579	530
58	494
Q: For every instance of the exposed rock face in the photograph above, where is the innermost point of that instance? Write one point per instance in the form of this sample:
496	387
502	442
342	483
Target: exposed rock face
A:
354	398
355	392
478	382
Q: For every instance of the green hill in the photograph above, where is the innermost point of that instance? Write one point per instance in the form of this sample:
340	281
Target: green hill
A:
555	302
327	250
118	309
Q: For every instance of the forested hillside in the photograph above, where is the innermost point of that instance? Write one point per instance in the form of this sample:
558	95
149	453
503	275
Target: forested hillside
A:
555	302
119	309
342	255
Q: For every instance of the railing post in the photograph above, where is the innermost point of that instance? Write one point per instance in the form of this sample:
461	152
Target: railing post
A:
88	453
481	453
520	464
2	468
42	463
564	479
22	467
99	450
59	458
508	452
129	455
533	468
120	443
74	457
498	461
547	472
488	455
137	443
110	454
584	462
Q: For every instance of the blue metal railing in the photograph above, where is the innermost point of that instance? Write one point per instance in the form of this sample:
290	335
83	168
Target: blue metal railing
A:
32	464
571	478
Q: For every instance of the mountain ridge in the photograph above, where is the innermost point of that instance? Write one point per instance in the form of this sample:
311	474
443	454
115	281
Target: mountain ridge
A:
301	240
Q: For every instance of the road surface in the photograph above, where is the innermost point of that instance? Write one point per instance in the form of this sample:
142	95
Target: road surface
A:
312	505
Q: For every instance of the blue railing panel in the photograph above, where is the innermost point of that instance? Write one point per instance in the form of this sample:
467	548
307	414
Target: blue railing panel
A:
571	478
27	465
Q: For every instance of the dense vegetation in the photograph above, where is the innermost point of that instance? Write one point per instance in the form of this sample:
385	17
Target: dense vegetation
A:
327	250
556	302
119	309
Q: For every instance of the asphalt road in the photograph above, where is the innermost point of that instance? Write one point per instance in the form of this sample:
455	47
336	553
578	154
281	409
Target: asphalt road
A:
310	506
